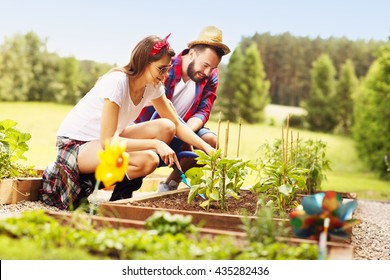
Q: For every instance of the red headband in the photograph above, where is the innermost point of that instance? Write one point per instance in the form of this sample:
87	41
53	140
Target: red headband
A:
159	45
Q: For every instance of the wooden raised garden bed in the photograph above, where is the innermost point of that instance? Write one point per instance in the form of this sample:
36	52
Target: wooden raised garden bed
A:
142	207
175	202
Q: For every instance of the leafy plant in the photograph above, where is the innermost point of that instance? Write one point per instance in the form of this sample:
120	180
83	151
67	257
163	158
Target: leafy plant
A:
279	177
13	145
309	155
280	183
217	178
290	166
165	222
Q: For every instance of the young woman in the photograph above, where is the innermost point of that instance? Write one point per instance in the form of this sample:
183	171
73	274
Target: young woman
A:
111	106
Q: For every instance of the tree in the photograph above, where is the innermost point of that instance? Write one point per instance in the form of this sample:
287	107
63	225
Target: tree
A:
253	94
227	100
68	81
43	68
15	69
346	86
90	72
320	105
28	70
372	115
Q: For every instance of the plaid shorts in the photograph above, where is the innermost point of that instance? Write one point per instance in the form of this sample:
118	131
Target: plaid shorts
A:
61	179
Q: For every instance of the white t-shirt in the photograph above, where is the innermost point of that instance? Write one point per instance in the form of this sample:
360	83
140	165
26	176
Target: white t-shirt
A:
183	96
83	121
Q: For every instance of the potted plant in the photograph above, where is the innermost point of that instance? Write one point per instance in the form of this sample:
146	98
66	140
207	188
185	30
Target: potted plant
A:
17	181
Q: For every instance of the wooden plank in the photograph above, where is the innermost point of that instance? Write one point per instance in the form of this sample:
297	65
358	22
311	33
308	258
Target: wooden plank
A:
100	221
214	221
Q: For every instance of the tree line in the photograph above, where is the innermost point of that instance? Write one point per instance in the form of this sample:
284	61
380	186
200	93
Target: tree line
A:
288	59
30	73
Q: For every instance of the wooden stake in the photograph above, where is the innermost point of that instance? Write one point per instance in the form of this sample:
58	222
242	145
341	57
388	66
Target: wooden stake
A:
283	153
297	153
227	139
291	147
287	128
219	127
239	138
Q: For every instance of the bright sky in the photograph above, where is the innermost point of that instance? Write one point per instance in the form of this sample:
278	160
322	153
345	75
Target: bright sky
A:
106	31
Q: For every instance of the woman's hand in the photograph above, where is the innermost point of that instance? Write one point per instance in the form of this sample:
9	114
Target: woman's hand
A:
209	149
167	154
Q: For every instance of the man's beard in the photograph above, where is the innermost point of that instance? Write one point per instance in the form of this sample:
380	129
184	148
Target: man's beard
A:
192	73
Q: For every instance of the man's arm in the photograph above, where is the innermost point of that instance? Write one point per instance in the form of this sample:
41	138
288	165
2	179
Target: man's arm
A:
195	123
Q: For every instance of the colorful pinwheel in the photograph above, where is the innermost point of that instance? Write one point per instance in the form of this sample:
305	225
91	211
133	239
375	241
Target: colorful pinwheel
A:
113	163
308	219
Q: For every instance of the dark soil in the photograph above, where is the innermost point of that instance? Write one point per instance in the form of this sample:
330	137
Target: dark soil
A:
246	203
178	201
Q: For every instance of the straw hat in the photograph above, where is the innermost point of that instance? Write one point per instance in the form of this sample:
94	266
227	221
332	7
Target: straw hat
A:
210	35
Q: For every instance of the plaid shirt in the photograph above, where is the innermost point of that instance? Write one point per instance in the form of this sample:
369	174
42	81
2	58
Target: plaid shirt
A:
205	93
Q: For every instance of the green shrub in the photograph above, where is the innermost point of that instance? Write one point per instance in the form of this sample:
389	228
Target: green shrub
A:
297	121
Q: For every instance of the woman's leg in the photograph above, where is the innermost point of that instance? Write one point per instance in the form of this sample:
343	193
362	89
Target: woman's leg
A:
161	129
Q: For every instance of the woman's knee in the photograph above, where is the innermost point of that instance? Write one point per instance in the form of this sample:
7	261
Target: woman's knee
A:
150	162
167	129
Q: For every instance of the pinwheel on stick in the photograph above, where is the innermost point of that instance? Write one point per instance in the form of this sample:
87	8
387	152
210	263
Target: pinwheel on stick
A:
308	219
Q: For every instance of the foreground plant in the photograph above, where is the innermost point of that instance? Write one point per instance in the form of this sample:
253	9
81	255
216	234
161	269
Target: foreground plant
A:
164	222
45	235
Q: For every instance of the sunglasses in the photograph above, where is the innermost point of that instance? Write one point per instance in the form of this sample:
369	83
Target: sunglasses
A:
163	70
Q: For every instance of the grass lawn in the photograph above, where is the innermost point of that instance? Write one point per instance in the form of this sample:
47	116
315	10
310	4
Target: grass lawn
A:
348	173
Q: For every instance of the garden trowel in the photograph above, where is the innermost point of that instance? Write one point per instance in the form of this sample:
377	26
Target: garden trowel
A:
184	179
